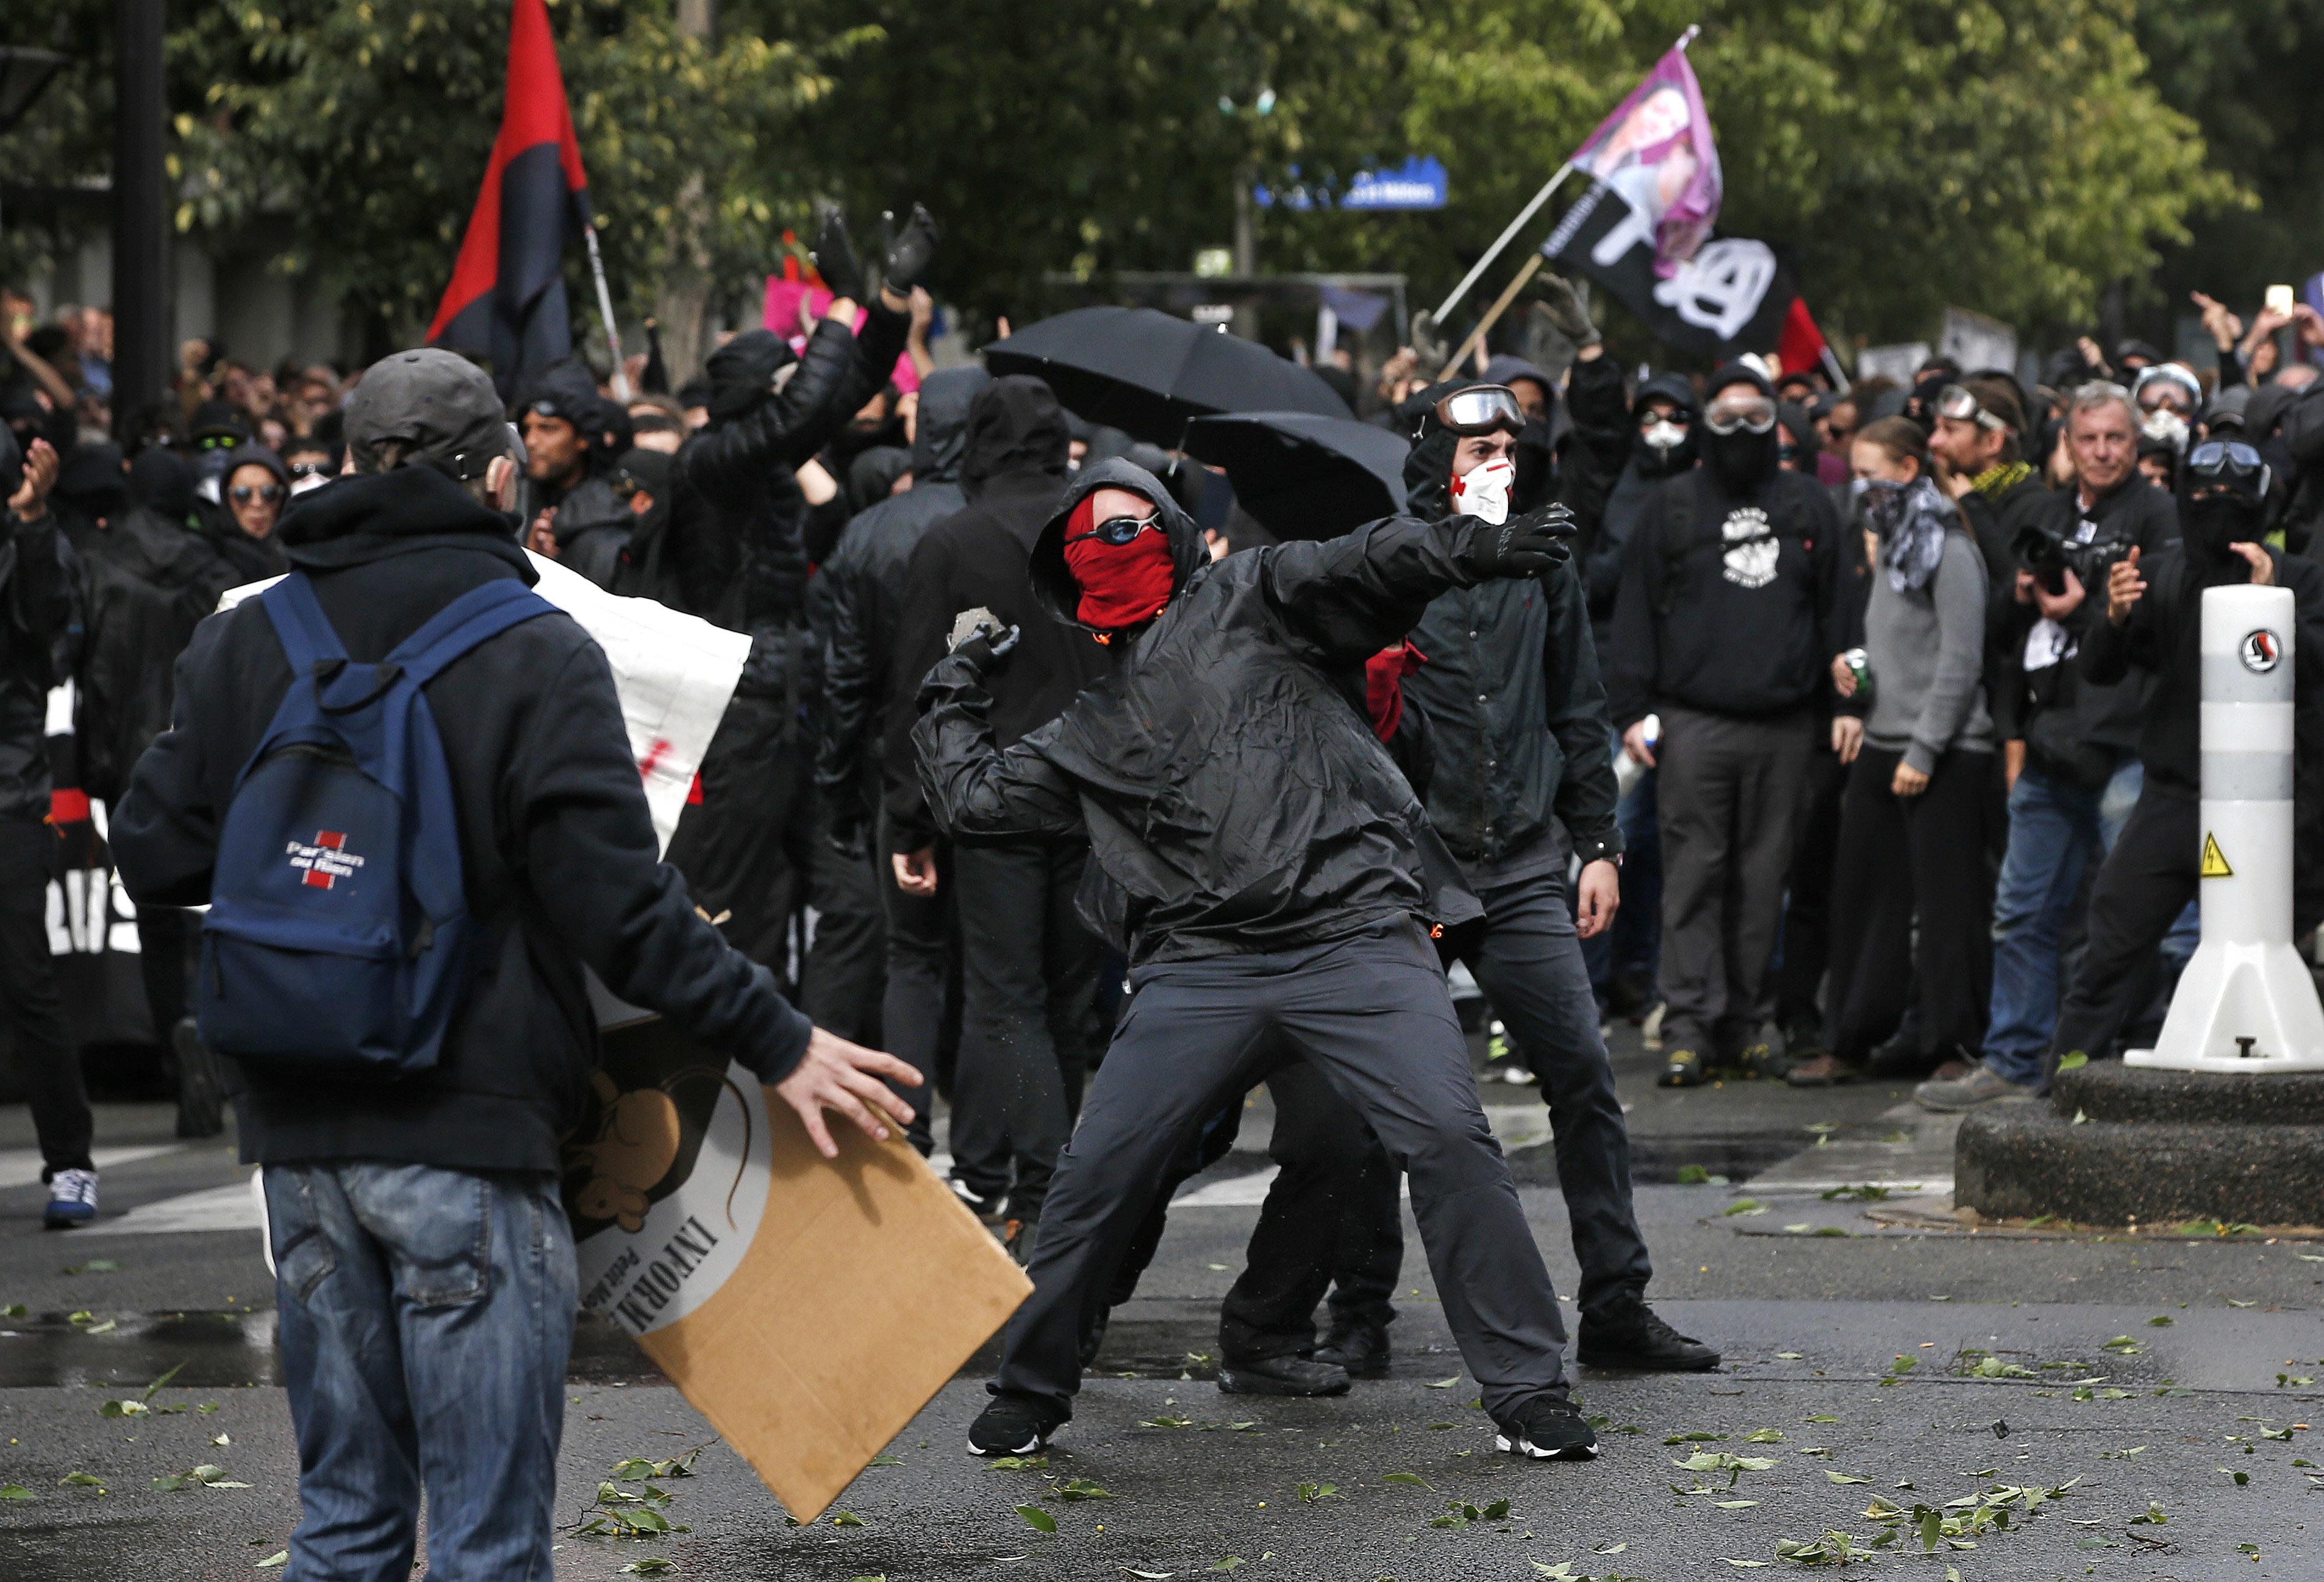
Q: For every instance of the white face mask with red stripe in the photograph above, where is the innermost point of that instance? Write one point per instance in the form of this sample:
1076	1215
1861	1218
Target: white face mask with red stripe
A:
1483	491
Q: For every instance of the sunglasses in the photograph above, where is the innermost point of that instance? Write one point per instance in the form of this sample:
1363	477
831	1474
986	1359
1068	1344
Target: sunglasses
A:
244	493
1758	417
310	469
1120	530
1481	409
1963	406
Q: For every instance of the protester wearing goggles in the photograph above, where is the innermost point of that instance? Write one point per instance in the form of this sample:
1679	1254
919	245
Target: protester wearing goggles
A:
1979	459
1723	626
311	462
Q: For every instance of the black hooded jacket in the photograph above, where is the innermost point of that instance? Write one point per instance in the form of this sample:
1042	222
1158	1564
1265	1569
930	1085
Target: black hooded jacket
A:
865	582
1012	468
555	843
592	525
1641	472
39	610
1231	785
1511	693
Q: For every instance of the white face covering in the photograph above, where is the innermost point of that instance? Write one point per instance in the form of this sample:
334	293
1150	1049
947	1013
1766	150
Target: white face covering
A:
1484	492
1663	435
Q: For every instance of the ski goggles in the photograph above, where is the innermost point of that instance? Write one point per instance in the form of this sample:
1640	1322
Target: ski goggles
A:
1757	414
1960	404
1481	409
2166	385
2229	460
1118	530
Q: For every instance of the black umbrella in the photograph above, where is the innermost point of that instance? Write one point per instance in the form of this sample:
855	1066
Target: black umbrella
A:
1304	476
1149	373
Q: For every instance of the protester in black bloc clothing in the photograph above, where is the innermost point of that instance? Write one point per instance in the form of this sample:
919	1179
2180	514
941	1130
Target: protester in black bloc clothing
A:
1508	684
572	502
866	579
1723	627
425	1267
731	551
1028	967
1261	859
2153	621
39	607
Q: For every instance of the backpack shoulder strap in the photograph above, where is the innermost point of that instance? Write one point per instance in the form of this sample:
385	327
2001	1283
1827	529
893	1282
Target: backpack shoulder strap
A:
305	631
475	615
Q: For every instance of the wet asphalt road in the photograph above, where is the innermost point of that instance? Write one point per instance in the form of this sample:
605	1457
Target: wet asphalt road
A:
1198	1484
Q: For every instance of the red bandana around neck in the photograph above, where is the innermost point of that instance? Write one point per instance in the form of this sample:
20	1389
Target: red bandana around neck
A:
1122	584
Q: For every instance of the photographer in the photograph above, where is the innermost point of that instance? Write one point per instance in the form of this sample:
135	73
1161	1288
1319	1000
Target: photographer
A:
2067	741
2153	621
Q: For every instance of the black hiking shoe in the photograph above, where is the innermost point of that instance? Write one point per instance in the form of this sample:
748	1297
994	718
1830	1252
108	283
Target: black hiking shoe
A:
1363	1352
1283	1375
1627	1335
1013	1425
1548	1428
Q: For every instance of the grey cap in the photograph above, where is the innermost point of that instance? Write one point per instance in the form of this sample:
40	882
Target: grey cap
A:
443	404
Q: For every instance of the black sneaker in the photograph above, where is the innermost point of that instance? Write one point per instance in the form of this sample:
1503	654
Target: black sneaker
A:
1283	1375
1628	1334
1548	1428
1363	1352
1013	1425
1682	1068
201	1093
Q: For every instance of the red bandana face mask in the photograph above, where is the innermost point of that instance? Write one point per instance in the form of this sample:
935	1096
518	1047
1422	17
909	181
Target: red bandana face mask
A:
1122	584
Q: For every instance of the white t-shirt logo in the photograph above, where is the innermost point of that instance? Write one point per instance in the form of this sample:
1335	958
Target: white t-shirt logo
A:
1751	547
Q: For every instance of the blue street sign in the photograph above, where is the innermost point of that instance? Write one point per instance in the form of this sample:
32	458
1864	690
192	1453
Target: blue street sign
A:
1417	183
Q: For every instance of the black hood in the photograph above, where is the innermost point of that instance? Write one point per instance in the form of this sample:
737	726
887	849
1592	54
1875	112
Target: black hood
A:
1740	462
258	455
742	373
2265	410
572	391
1015	426
1670	387
1054	587
371	516
92	481
1644	459
1428	465
871	475
941	432
162	482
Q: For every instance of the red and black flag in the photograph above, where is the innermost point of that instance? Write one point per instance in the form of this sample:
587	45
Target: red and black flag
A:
506	301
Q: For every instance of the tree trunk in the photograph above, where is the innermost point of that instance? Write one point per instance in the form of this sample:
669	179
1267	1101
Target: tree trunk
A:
682	305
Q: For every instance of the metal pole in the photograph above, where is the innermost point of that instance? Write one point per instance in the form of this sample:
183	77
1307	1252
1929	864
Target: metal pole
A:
1502	240
140	210
605	312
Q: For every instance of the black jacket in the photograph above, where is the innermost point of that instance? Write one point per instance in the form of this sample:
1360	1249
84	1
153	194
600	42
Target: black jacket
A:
1511	694
864	582
40	611
2163	638
557	847
150	582
1727	605
1601	412
1013	468
1230	784
592	528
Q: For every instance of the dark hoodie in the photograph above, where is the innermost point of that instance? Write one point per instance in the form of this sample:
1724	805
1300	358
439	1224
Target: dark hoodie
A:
1728	600
1511	692
558	848
1643	471
592	525
863	585
39	608
1012	468
1229	781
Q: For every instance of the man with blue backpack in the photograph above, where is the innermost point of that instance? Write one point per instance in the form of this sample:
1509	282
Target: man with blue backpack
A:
401	782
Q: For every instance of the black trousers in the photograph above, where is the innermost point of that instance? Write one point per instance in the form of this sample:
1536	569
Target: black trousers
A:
843	984
1899	857
1028	987
1527	959
919	1008
744	848
46	1056
1807	901
166	937
1370	1013
2145	883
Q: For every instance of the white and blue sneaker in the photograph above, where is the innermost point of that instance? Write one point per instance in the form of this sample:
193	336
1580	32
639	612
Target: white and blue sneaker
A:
72	1199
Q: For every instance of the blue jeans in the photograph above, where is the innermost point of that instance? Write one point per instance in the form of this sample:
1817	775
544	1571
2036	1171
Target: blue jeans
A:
2055	830
424	1316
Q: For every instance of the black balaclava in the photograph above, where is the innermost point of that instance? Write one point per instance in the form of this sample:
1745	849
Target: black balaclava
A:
1655	461
2234	512
1740	461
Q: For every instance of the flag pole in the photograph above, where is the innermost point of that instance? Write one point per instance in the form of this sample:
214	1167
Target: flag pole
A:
1530	209
1492	316
605	311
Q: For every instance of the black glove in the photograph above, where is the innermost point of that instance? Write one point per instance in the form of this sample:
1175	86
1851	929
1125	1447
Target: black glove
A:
909	253
1525	546
835	257
1561	304
988	647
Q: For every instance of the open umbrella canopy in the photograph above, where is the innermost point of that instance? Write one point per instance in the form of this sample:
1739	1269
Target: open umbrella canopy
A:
1304	476
1149	373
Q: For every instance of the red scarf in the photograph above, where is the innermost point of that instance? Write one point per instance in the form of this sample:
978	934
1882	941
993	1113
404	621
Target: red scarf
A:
1122	584
1384	675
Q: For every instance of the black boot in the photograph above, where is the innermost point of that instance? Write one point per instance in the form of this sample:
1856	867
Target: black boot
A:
1627	1335
1283	1375
1361	1350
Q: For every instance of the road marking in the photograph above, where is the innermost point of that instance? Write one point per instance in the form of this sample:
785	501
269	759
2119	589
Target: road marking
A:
225	1208
22	1166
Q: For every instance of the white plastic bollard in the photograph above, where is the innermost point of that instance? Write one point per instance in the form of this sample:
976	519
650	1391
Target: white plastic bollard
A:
2246	1002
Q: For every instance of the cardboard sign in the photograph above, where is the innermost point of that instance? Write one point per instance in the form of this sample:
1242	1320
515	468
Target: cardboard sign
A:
807	1307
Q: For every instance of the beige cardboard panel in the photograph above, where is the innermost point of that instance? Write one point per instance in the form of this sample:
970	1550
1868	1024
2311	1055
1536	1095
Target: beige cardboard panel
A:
868	1285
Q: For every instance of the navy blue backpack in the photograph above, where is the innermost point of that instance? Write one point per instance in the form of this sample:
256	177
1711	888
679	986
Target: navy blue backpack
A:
338	942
